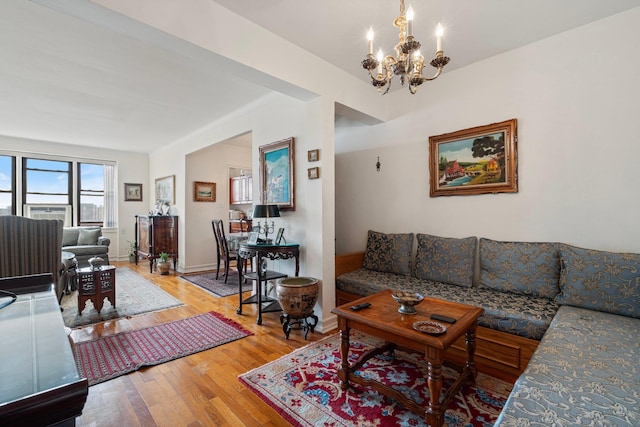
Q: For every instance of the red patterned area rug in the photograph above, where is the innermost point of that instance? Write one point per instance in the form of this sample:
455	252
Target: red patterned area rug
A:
303	387
109	357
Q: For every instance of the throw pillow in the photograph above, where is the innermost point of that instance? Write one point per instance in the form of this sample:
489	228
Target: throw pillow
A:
70	236
445	259
89	236
599	280
388	253
526	268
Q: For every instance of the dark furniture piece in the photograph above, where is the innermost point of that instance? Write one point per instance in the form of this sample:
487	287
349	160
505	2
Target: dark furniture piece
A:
32	246
155	234
222	248
40	383
96	285
383	320
240	225
261	275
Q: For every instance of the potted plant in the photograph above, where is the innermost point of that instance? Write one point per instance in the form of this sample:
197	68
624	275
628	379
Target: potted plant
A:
131	249
163	263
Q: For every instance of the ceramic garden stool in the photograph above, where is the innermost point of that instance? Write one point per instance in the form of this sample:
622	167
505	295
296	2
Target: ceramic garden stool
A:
297	297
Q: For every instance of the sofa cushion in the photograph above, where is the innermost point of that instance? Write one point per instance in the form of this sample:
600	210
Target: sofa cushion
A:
444	259
388	253
584	372
70	236
88	236
526	268
521	315
599	280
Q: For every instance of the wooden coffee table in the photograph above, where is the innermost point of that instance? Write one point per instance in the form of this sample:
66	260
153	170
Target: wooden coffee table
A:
383	320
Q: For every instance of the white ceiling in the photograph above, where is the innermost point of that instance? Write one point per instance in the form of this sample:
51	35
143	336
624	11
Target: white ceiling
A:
66	79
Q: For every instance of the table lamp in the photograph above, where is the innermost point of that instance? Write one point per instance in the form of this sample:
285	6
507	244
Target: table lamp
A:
266	211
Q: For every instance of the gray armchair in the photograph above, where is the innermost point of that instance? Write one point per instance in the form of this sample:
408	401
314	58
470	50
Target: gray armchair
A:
31	246
85	243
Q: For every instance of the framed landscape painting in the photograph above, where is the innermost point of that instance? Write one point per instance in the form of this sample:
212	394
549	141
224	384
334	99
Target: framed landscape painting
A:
479	160
204	191
276	174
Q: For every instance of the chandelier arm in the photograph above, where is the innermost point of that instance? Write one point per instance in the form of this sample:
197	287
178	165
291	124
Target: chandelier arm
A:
435	76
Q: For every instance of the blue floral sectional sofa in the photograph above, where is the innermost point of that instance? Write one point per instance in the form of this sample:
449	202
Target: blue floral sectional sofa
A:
563	321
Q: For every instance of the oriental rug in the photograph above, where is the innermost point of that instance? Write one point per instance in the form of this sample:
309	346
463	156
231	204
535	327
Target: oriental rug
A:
134	295
217	287
109	357
304	388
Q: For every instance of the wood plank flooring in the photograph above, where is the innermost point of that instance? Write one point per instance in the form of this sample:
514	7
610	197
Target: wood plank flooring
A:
197	390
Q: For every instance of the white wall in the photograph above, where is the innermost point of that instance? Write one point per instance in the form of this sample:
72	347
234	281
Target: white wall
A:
273	118
211	164
132	168
575	97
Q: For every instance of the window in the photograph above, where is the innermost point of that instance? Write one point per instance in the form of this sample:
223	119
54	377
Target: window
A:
7	185
91	193
46	182
88	187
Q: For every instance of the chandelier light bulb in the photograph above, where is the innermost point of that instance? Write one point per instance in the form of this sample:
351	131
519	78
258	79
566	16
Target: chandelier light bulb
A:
370	40
380	57
439	34
410	16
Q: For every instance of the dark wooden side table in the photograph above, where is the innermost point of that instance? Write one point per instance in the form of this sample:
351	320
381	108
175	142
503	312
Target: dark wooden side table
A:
247	251
95	285
383	320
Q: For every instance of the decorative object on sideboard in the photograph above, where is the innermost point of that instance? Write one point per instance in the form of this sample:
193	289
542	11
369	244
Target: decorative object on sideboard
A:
378	164
132	192
313	155
280	237
407	63
165	189
277	174
313	173
204	191
479	160
266	212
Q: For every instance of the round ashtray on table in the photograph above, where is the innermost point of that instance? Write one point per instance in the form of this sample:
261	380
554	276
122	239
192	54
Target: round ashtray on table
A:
429	327
408	301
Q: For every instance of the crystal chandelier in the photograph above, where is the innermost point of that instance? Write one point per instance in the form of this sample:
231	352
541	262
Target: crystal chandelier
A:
408	62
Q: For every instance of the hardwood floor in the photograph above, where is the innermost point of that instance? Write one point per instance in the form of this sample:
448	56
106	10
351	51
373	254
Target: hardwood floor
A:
197	390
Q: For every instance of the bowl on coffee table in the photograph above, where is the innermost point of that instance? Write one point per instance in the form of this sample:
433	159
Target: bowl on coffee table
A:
407	301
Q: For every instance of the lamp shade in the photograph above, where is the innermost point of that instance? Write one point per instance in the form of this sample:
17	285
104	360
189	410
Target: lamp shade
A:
266	211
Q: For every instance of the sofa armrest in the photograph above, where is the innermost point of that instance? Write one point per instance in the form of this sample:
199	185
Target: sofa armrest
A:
348	262
104	241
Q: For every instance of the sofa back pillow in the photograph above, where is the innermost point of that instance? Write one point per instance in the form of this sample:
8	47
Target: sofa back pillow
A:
70	236
89	236
525	268
446	259
388	253
599	280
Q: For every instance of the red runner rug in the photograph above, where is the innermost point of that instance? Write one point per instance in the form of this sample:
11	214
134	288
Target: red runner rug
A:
109	357
304	388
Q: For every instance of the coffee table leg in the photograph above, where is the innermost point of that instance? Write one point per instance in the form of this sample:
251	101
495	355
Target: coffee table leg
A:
343	371
435	411
470	339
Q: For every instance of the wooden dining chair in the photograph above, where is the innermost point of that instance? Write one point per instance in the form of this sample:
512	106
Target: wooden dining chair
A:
223	252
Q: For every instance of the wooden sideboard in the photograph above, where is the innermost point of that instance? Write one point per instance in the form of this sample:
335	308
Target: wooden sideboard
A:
155	234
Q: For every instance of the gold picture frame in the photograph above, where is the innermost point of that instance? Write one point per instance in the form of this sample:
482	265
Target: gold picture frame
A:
313	173
204	191
479	160
277	174
313	155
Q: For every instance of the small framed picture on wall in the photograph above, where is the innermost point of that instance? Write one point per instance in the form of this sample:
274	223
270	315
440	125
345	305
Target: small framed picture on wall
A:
313	155
313	173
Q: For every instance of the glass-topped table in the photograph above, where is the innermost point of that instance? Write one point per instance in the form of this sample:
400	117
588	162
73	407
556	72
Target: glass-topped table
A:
247	251
40	382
